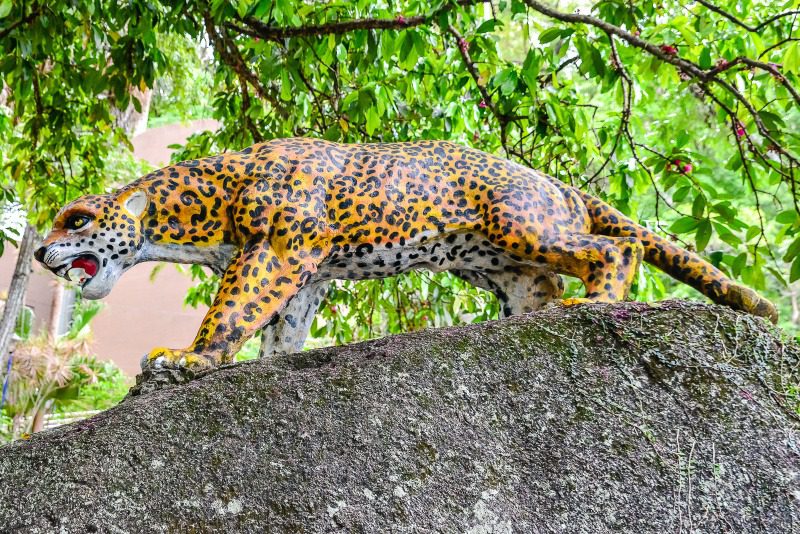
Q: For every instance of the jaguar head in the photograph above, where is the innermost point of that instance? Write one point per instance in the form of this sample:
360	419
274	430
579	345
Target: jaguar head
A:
95	239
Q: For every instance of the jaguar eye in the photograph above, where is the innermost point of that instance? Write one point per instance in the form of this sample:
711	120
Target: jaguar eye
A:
76	221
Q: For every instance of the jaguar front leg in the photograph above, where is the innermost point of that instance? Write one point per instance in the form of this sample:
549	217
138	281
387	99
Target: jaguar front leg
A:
256	286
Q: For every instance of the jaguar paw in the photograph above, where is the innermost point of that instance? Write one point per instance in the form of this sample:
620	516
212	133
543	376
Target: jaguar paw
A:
163	358
574	301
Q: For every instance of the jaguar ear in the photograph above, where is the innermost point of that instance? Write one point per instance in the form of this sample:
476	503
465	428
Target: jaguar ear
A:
134	201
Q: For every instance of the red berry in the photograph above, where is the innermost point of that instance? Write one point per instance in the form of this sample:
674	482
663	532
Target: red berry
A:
483	104
668	49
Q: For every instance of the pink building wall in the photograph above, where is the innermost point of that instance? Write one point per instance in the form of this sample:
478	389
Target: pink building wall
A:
140	314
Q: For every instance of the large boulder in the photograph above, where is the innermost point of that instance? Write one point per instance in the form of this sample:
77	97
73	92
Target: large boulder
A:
675	417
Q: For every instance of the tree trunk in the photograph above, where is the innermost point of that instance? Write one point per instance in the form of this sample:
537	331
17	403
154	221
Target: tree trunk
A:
132	121
17	288
674	417
41	413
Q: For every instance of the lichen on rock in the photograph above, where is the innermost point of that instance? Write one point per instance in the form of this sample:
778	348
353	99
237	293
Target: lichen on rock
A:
595	418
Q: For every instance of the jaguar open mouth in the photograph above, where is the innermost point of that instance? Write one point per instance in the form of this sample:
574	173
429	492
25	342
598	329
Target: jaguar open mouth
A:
80	269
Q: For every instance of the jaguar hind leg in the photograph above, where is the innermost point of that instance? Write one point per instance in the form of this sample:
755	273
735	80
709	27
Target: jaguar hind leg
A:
519	289
607	266
287	332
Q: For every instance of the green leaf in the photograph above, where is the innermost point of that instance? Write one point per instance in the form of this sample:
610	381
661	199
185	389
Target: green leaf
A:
699	206
703	235
408	52
791	58
263	8
752	232
793	250
771	120
69	392
684	225
373	120
726	235
550	34
705	58
286	86
787	217
778	276
242	9
530	71
734	163
488	26
739	263
681	193
507	80
682	139
794	274
5	8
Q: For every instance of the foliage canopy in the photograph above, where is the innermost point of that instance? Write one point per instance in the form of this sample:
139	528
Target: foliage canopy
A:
684	115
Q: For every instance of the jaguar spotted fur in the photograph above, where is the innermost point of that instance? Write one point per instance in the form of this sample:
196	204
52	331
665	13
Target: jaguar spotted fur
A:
279	220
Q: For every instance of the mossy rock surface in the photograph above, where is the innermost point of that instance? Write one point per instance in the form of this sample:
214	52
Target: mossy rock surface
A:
627	417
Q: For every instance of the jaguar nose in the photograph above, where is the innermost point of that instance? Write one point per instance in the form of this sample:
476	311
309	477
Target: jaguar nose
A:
39	254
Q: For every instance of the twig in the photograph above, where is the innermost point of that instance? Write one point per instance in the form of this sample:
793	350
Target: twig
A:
624	121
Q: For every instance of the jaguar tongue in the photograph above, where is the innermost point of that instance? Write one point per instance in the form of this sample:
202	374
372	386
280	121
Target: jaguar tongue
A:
87	264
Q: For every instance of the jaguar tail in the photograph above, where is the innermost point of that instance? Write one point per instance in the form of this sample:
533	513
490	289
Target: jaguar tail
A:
680	264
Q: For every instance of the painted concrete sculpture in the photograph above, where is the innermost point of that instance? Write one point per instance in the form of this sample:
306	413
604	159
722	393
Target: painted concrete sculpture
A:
279	220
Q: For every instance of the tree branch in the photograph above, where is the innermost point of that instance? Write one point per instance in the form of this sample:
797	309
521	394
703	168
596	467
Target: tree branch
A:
685	66
37	10
257	137
503	119
734	120
275	33
229	54
638	42
780	43
544	79
463	48
772	69
38	120
741	23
